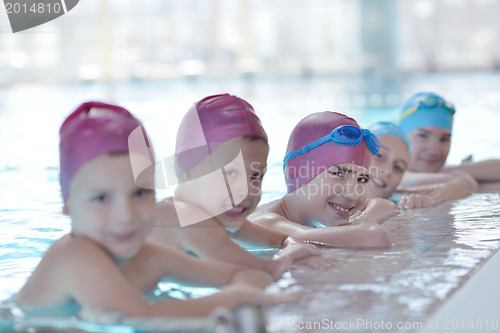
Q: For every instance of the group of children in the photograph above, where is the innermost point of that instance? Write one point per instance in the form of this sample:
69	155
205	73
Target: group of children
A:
339	179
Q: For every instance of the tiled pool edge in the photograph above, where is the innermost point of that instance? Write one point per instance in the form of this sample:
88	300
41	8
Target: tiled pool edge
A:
437	251
475	306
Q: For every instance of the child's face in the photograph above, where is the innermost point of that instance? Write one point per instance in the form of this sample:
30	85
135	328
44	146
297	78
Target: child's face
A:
106	205
334	195
243	188
388	166
429	148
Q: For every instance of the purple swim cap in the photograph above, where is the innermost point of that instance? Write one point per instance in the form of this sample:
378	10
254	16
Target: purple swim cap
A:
93	129
305	167
210	122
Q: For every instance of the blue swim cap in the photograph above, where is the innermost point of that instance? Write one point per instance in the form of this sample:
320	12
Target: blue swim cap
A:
426	109
385	128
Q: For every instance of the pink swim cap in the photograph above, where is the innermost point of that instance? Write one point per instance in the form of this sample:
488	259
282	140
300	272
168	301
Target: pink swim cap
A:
302	169
93	129
210	122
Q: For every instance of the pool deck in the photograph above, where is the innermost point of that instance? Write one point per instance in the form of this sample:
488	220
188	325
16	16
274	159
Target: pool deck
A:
441	275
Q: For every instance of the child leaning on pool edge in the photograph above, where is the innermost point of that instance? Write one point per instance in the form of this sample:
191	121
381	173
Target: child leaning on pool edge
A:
427	119
105	263
326	171
389	166
220	160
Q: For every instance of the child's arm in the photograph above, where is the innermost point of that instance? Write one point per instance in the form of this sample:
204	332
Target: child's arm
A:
230	297
483	171
293	249
377	210
87	274
208	240
195	271
415	200
356	235
260	235
413	179
449	190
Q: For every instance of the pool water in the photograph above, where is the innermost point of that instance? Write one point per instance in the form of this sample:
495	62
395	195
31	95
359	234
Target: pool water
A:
436	251
30	204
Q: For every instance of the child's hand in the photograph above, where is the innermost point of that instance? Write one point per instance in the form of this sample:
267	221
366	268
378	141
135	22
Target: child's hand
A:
296	249
277	267
357	217
252	277
250	295
301	253
415	201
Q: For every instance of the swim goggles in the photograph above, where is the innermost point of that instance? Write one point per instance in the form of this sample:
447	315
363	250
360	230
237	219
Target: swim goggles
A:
345	135
429	103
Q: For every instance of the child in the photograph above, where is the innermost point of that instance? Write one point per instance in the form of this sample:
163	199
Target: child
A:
390	164
326	173
104	262
221	154
427	119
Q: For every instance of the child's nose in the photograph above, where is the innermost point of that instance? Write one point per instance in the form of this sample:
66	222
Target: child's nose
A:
351	190
125	212
433	147
239	190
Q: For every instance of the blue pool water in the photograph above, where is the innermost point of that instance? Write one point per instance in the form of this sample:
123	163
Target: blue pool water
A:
30	116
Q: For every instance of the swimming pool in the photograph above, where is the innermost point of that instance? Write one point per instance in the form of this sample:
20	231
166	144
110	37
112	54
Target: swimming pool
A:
30	116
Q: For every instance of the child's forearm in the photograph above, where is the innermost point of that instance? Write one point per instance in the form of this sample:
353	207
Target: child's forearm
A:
454	189
260	235
256	278
200	307
451	190
358	235
483	171
295	249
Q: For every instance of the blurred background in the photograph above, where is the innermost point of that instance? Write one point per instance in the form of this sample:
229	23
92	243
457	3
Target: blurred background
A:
128	40
288	58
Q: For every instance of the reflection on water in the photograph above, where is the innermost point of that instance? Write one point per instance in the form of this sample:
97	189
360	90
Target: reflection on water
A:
437	249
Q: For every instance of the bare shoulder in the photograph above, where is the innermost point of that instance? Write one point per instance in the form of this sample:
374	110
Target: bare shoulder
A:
153	258
166	224
166	212
412	179
272	207
171	209
48	283
71	246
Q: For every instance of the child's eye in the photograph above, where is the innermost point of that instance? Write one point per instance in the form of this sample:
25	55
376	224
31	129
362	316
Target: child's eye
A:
257	176
422	135
379	156
337	173
143	192
99	198
399	168
445	139
363	179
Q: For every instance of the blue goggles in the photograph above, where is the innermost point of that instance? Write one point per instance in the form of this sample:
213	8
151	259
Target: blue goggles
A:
345	135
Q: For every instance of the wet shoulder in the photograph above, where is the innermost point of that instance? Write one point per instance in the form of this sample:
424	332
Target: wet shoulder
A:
272	207
75	250
167	211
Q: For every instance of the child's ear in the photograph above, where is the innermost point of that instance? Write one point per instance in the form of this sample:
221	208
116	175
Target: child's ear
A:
65	210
